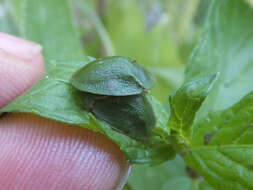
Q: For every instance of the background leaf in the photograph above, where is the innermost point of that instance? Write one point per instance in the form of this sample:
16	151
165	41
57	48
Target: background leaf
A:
222	150
225	46
50	23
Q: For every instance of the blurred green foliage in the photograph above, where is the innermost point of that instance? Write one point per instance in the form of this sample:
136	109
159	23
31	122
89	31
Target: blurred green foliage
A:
169	175
158	34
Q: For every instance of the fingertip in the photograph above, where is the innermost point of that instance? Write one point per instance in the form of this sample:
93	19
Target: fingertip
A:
17	72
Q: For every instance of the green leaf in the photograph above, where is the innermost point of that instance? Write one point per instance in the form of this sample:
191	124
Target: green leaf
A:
225	46
186	101
50	23
222	147
53	99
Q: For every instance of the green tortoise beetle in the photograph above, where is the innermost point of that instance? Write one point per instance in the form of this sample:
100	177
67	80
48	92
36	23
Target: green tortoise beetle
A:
114	90
113	76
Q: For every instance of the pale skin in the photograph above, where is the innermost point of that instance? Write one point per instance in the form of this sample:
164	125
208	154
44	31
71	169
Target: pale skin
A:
38	153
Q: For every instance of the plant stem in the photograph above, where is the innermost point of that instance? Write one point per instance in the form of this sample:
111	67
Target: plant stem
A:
89	12
187	17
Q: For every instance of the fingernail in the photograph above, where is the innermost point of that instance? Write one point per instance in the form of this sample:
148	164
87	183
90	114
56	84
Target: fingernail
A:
19	47
9	59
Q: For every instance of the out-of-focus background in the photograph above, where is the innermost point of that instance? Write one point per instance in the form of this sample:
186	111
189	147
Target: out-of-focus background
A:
160	35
